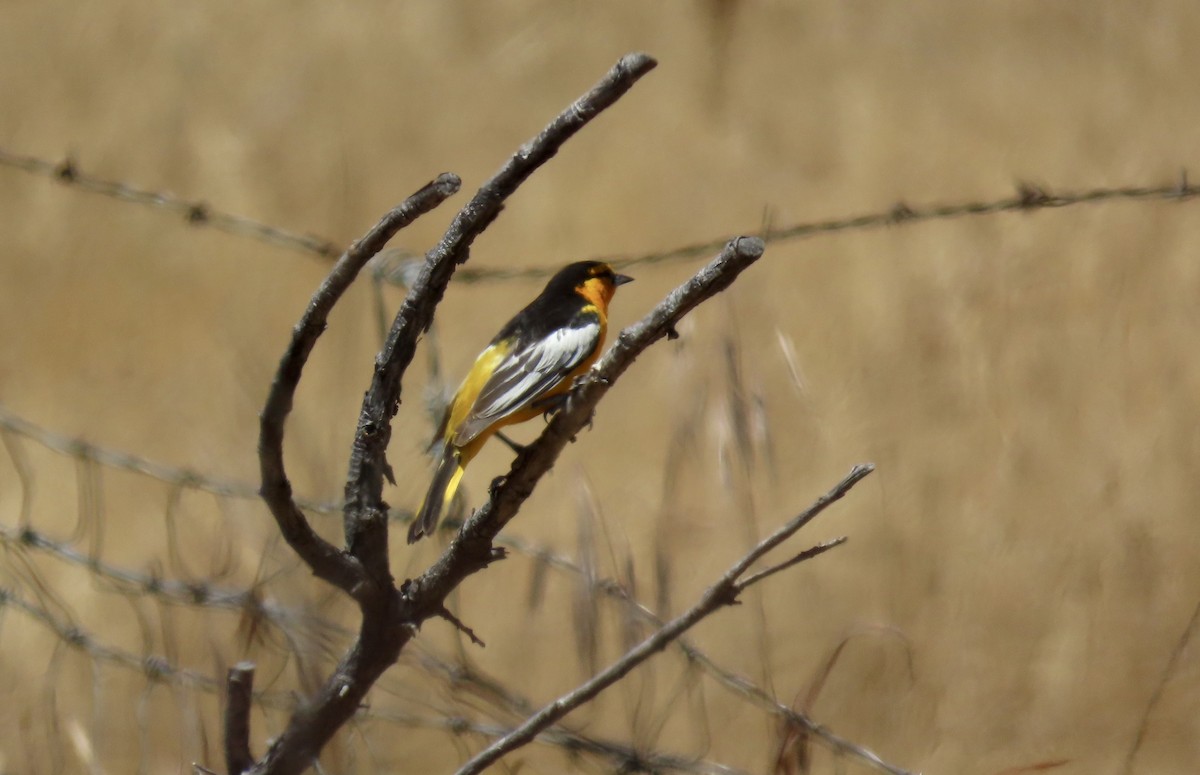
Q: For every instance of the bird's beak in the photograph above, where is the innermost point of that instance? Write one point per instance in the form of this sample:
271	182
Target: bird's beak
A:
621	279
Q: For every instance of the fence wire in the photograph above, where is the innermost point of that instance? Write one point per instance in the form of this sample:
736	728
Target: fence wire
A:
396	266
301	638
194	211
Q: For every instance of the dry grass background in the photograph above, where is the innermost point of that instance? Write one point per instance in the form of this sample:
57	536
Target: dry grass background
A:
1022	567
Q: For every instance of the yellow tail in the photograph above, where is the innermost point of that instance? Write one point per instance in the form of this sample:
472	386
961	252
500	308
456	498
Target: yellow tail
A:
441	491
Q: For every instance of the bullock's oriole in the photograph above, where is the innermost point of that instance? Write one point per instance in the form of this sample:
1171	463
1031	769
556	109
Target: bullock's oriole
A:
531	362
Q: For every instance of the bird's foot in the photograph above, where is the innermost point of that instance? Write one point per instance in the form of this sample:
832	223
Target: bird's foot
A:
514	446
551	405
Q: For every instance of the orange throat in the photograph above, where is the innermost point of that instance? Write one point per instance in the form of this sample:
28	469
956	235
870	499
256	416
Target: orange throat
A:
598	292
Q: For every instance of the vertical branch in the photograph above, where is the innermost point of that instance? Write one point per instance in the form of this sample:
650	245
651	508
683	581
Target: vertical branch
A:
239	691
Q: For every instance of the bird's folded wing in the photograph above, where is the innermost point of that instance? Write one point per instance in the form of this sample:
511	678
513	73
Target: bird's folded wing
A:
527	374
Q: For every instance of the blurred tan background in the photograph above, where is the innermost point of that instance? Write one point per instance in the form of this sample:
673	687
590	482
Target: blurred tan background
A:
1021	576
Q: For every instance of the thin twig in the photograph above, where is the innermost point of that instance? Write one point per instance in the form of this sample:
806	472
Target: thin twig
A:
326	561
807	554
622	757
1169	669
738	685
720	594
464	629
464	681
239	692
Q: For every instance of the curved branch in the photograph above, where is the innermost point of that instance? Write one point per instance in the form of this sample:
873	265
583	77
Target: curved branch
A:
326	561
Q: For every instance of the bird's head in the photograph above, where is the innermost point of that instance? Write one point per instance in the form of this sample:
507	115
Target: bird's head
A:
593	280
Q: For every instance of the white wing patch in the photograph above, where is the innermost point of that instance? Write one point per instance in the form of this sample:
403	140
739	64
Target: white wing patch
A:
527	374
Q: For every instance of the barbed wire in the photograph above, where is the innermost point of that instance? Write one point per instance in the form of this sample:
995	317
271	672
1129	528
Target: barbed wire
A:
153	667
1028	197
187	478
249	602
396	266
196	212
204	594
254	605
157	669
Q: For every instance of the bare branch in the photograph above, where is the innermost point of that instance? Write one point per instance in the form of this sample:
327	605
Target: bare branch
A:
621	757
464	680
364	571
738	685
365	514
807	554
160	671
720	594
458	625
326	561
239	693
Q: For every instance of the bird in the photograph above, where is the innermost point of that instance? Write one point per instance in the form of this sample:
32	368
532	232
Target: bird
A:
525	371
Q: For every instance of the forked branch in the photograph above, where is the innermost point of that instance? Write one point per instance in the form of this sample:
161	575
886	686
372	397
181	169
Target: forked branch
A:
391	616
724	592
326	561
363	570
365	514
